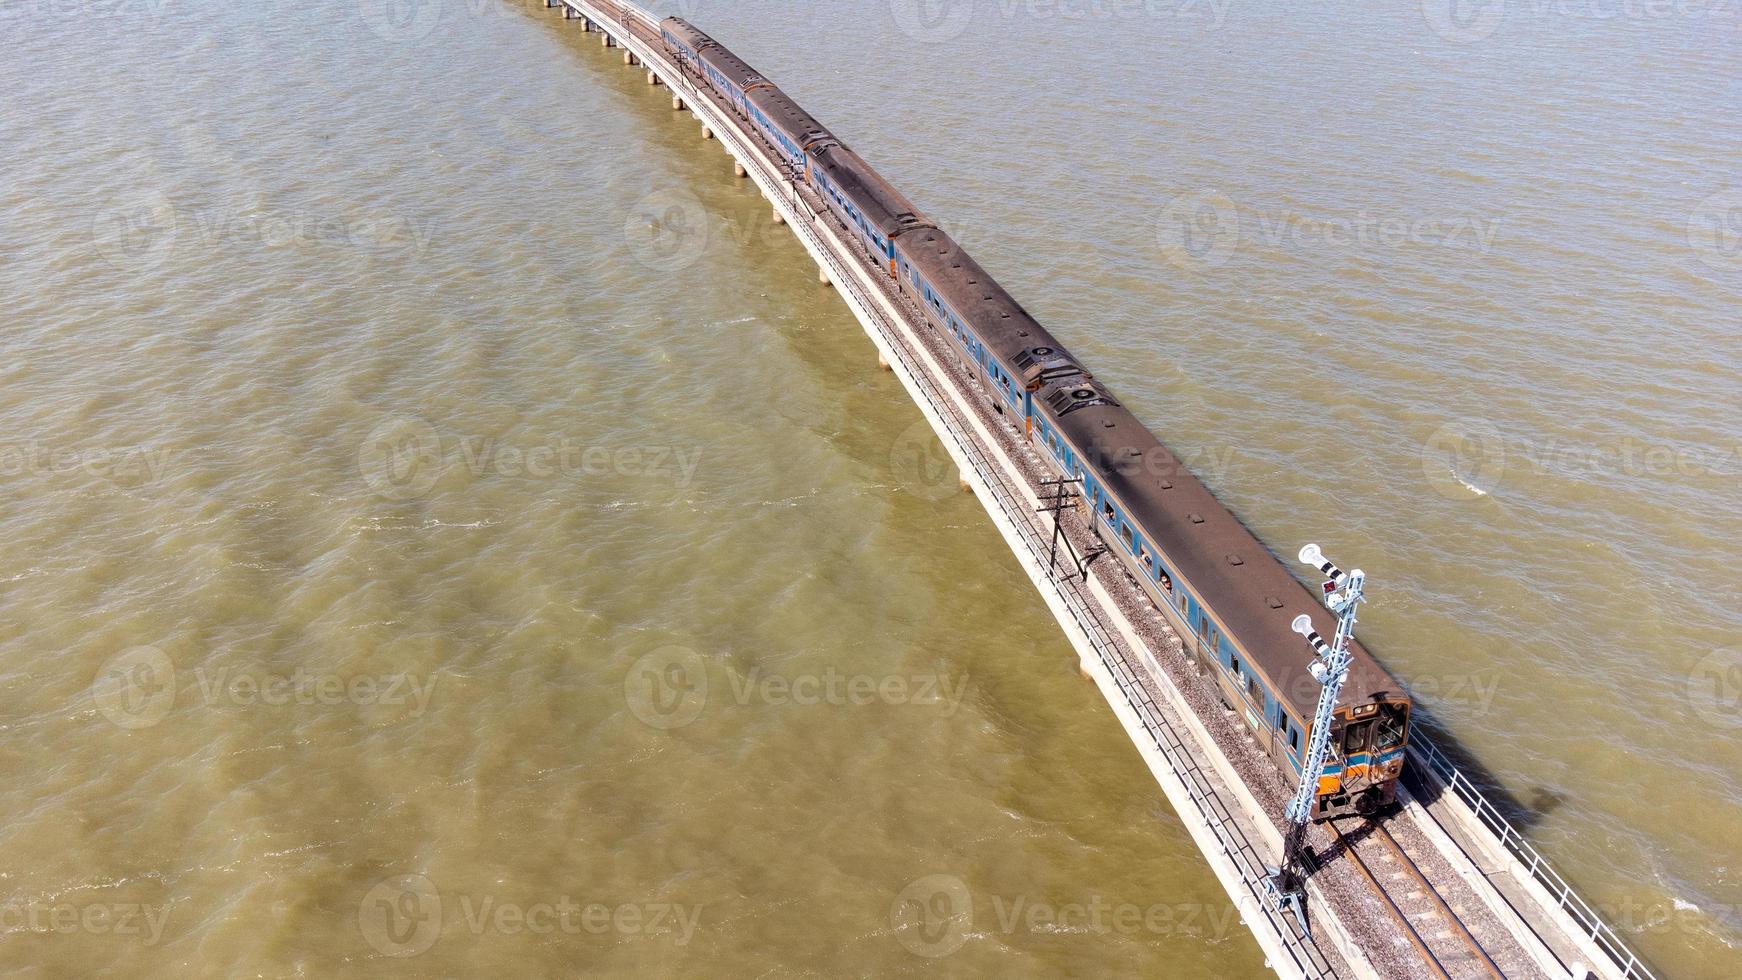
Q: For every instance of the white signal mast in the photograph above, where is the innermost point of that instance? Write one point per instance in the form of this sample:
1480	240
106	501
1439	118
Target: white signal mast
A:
1330	667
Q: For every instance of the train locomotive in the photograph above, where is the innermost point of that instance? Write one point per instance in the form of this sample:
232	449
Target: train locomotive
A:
1229	599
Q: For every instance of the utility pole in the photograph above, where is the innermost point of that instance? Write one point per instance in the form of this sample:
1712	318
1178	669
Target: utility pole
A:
1330	667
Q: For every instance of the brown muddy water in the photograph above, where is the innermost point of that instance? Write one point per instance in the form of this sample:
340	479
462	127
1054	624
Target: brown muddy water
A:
408	568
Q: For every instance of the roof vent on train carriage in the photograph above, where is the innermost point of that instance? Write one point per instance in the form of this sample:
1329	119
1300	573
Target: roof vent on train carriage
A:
1236	560
1273	602
1195	518
1067	400
1166	484
1038	370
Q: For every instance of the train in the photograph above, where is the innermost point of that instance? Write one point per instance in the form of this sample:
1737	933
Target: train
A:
1231	601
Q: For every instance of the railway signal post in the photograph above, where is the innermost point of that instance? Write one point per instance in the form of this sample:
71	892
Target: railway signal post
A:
1343	594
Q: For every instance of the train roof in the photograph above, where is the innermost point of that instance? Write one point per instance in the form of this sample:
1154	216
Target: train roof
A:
785	112
876	198
687	32
1246	586
730	65
971	291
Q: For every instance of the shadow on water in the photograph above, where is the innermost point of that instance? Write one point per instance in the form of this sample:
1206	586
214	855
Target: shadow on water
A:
1523	813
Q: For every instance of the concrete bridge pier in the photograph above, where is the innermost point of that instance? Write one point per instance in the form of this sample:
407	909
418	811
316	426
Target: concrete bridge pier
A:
823	277
707	133
653	78
738	169
607	40
883	362
677	103
779	219
630	59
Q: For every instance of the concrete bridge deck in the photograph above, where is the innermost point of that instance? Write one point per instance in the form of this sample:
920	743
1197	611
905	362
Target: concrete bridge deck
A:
1446	887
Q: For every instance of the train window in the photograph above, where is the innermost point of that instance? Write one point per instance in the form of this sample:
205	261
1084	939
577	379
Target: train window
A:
1252	689
1294	738
1110	511
1125	529
1234	664
1166	583
1390	729
1355	737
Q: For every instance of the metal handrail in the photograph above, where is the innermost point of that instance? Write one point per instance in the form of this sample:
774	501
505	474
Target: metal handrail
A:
1588	919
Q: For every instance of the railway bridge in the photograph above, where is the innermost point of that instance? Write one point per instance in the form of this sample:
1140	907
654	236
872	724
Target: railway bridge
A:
1445	887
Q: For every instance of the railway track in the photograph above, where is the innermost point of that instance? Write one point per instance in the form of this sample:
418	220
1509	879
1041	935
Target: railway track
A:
1447	949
